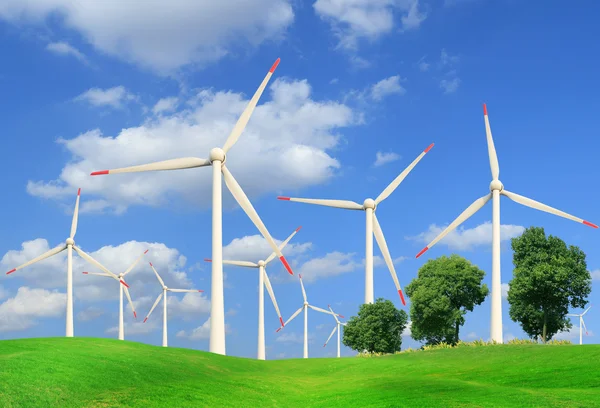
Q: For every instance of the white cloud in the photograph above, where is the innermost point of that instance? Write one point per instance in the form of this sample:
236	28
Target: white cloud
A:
3	293
182	31
450	85
332	264
452	82
573	334
387	86
90	313
447	59
287	138
462	239
292	337
201	332
22	311
136	328
382	158
423	65
166	105
63	48
505	287
254	248
407	332
115	97
595	274
352	20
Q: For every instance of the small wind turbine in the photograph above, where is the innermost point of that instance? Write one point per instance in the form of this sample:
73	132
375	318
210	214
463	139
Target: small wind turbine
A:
69	245
581	324
338	328
369	206
217	158
166	289
304	307
263	281
497	189
123	286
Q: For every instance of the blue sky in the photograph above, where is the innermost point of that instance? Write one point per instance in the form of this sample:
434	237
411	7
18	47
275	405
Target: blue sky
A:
103	85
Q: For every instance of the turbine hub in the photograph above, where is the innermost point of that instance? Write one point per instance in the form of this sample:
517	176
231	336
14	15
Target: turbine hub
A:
120	276
70	241
496	185
305	303
217	154
165	288
261	263
369	203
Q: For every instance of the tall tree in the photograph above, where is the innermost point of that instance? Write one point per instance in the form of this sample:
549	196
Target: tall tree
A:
444	290
548	278
377	328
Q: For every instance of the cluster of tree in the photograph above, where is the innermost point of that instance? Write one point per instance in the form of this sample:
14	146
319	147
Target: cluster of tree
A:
548	279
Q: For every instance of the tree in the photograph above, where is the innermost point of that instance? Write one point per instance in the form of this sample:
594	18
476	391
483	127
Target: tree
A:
377	328
443	291
548	278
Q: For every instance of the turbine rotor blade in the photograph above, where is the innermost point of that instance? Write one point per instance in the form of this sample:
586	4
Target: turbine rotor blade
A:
302	286
491	149
396	182
465	215
318	309
172	164
157	275
241	263
43	256
267	284
246	205
245	116
153	306
75	216
330	336
129	300
184	290
528	202
333	313
91	260
283	244
97	274
584	328
291	318
135	263
386	255
346	204
586	310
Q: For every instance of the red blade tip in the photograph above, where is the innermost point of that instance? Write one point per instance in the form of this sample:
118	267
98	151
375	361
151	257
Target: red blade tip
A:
123	282
150	263
300	276
11	271
78	191
428	148
283	198
200	291
146	319
145	252
589	224
281	321
135	315
484	109
274	67
402	298
299	228
324	344
207	260
277	331
286	264
85	273
341	316
99	173
422	251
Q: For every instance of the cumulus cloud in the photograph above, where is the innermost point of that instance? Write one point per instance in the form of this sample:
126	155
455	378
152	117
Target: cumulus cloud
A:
288	138
254	248
183	31
353	20
464	239
66	49
505	287
22	311
136	328
387	86
165	105
115	97
407	332
90	313
382	158
450	85
201	332
595	274
292	337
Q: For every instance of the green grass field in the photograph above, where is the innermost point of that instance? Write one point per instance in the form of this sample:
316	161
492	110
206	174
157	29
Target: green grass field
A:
88	372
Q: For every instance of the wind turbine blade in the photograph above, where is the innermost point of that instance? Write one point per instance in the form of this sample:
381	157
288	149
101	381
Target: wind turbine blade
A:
173	164
571	314
267	283
283	244
75	215
318	309
491	149
346	204
584	328
130	302
528	202
238	263
43	256
465	215
245	117
153	306
394	184
157	275
302	286
586	310
291	318
330	336
91	260
184	290
97	274
333	313
386	255
134	263
246	205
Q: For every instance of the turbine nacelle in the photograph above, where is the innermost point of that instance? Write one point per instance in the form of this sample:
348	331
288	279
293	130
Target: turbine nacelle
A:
369	203
217	154
70	241
165	288
262	263
496	185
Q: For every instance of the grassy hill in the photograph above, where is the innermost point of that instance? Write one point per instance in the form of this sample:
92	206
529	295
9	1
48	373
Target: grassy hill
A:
88	372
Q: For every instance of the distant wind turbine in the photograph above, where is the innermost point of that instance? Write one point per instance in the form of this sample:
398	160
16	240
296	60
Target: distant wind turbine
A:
581	324
337	327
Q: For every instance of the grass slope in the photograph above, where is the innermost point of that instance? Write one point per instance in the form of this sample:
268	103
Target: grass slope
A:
88	372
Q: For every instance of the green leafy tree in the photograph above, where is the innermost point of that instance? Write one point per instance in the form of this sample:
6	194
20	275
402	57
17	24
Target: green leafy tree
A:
444	290
376	329
548	278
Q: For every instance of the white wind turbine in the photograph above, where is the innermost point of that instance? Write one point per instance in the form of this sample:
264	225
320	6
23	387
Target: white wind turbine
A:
581	324
217	160
263	281
304	308
497	189
69	245
123	286
163	295
338	328
369	206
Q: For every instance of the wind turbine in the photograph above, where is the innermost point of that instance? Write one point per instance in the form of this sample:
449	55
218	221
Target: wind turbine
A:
581	324
263	281
123	286
166	289
217	160
69	245
369	206
338	328
304	308
497	189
